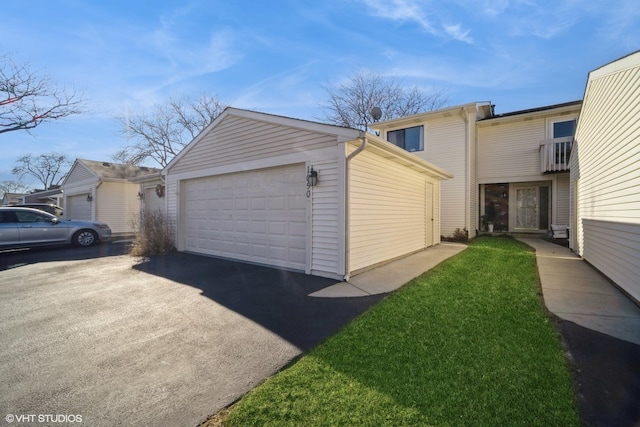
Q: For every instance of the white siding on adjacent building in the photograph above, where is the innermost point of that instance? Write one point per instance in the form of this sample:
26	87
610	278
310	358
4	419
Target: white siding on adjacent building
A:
446	139
387	210
117	204
152	202
446	146
510	152
562	200
80	173
327	220
606	161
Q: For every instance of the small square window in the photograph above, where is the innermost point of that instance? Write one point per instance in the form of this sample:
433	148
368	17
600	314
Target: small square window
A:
411	139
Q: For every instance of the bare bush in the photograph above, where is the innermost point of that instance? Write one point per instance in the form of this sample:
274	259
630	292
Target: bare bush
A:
154	235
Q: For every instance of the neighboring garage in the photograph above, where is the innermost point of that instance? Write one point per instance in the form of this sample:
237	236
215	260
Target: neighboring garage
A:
242	190
104	191
78	207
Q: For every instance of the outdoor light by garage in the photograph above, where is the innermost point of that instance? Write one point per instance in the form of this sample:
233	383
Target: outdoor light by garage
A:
89	198
312	178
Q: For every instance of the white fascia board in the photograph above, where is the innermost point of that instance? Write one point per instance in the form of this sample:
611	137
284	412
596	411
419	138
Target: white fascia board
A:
626	62
423	117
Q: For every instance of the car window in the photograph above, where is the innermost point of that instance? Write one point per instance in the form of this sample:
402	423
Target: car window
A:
24	216
8	217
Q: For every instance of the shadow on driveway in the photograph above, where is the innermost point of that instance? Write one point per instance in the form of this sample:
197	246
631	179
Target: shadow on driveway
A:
14	258
276	299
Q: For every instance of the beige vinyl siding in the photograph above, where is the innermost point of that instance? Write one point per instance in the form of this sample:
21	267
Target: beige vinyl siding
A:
563	200
605	159
152	202
117	204
510	152
614	249
472	185
326	220
386	210
446	147
237	139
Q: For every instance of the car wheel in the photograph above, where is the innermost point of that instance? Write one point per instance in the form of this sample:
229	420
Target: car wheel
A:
84	238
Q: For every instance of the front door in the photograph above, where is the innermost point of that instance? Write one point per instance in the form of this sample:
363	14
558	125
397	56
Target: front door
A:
527	208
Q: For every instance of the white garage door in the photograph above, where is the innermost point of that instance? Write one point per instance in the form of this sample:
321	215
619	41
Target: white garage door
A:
257	216
78	208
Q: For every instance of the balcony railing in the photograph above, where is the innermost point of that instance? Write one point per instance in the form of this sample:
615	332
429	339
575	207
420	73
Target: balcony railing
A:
554	154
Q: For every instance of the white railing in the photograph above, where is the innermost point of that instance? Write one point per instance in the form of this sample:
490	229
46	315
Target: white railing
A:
554	154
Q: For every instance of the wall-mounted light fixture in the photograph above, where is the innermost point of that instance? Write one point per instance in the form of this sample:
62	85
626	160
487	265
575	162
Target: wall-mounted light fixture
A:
504	195
312	178
140	195
89	198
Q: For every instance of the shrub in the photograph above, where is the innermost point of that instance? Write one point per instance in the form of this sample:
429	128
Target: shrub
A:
461	235
154	235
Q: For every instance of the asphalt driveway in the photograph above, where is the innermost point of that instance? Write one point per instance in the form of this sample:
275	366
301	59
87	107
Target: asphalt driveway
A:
169	341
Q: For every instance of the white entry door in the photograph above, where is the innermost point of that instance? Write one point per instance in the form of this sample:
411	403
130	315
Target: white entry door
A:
527	208
257	216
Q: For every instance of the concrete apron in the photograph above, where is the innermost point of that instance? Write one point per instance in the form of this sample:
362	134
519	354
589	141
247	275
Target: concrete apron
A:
575	291
391	276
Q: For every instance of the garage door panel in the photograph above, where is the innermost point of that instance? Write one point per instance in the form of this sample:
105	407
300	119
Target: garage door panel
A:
257	216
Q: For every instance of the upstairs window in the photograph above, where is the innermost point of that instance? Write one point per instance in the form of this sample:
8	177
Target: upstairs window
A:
562	150
563	129
411	139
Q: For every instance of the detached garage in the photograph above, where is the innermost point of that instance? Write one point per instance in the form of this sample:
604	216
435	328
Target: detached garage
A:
316	198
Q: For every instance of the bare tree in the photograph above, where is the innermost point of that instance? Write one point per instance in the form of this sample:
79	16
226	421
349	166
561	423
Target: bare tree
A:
162	133
28	100
350	104
14	187
49	169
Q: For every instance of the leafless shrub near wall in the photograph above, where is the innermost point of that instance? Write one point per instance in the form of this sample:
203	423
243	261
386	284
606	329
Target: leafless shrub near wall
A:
459	235
154	235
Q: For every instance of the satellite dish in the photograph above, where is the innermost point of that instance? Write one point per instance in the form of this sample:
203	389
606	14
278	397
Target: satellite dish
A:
376	113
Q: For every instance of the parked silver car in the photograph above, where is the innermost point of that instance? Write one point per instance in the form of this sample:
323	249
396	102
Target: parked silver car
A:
22	227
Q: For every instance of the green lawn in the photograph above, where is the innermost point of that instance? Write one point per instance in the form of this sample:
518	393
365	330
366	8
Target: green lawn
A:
467	343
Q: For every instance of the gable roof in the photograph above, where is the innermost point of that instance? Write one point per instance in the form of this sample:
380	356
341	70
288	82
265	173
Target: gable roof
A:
340	132
536	111
112	171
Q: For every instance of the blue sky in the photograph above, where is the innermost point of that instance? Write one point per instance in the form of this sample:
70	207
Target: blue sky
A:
275	56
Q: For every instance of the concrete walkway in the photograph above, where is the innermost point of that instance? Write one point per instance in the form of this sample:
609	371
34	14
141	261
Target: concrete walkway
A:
573	290
392	276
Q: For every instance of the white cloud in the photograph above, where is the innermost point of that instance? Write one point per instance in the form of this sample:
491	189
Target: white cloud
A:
458	33
401	10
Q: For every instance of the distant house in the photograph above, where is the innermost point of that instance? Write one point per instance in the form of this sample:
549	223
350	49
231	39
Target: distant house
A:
104	191
605	174
12	199
321	199
53	196
514	165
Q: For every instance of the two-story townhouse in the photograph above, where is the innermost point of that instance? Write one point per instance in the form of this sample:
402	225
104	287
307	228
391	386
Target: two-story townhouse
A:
510	170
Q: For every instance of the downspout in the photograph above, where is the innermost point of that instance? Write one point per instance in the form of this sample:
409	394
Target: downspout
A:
467	178
357	151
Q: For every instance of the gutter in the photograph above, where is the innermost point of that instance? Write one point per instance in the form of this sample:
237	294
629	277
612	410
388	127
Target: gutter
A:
351	155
